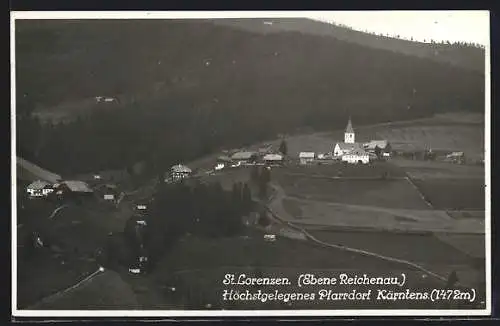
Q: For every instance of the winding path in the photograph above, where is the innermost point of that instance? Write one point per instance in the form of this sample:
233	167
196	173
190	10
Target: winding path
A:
57	210
279	194
58	294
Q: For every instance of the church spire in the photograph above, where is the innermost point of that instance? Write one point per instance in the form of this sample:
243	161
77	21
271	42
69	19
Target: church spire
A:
349	128
349	133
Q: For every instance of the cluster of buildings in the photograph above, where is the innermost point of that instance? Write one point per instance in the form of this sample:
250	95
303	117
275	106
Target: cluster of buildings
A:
350	151
63	189
47	184
264	156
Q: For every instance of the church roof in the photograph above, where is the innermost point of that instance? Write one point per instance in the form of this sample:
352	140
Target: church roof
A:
349	128
348	146
357	152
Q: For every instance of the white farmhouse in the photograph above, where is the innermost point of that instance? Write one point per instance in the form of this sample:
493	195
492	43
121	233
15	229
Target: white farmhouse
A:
242	158
39	188
356	156
273	158
306	157
179	171
341	149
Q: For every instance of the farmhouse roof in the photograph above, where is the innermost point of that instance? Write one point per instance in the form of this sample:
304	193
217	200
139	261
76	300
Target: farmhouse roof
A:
77	186
224	158
242	155
372	144
273	157
306	155
36	171
349	128
452	154
38	185
179	168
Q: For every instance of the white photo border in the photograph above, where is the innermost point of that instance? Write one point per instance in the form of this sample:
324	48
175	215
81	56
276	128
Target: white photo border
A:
30	15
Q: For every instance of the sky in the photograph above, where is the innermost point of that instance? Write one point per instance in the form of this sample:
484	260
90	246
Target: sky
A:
468	26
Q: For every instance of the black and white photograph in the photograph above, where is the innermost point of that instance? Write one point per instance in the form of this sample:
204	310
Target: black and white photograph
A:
259	163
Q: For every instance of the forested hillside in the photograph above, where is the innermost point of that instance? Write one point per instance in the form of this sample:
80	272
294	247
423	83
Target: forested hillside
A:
186	88
461	54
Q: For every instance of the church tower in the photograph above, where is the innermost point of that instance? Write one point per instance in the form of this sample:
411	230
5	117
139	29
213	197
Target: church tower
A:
349	133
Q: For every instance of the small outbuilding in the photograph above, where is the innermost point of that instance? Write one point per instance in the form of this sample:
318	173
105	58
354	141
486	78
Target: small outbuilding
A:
306	157
108	192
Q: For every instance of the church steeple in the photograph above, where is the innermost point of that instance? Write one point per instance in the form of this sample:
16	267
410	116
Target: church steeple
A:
349	133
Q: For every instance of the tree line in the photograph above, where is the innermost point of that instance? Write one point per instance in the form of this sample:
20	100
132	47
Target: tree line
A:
179	210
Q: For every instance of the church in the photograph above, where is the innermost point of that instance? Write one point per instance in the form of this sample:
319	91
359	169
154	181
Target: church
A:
350	151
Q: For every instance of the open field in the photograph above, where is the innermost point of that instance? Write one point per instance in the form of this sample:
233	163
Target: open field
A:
341	216
381	193
47	272
414	247
441	253
374	170
193	257
466	138
418	169
470	244
453	194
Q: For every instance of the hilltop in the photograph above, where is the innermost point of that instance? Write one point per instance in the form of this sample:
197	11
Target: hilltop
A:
465	56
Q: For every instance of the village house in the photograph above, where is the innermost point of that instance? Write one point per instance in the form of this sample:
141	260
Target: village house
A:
39	189
306	157
383	145
455	157
72	189
273	159
356	156
179	171
242	158
341	149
